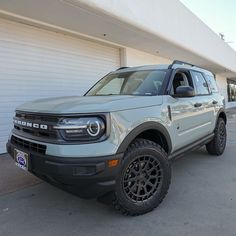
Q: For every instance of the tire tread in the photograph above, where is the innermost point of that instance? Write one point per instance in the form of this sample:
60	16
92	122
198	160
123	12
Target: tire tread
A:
142	143
212	147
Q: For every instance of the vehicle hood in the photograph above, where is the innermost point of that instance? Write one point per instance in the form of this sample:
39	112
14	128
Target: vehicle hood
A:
89	104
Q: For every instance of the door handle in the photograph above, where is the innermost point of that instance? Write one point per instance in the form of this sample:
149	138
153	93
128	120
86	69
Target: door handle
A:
197	104
214	102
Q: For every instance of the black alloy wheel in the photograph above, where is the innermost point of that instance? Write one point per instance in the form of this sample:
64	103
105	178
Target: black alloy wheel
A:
222	135
144	178
217	145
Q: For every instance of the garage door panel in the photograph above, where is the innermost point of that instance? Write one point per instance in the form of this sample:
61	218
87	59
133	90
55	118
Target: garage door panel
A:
44	85
56	62
71	59
28	35
37	63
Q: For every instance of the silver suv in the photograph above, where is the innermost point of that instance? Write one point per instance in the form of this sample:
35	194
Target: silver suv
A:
117	141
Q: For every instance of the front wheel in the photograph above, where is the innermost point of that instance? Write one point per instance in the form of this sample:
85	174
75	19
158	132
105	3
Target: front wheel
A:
218	143
144	178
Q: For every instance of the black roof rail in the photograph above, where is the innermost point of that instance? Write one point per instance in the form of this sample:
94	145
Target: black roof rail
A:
179	63
123	67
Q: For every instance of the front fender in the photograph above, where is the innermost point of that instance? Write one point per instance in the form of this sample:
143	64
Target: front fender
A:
151	125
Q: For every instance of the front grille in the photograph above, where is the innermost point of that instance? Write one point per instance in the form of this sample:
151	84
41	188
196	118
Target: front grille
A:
36	125
35	117
30	146
37	133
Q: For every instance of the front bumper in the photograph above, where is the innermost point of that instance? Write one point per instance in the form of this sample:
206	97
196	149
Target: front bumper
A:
88	177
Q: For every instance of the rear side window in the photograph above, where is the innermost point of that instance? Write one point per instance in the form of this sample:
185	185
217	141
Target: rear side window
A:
212	83
200	84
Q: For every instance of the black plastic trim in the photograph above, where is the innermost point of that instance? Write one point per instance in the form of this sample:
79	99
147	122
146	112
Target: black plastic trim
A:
150	125
222	110
88	177
191	147
122	67
169	112
165	83
178	62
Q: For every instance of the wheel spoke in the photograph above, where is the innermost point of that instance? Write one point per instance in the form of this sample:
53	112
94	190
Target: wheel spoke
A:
131	188
149	183
139	189
145	189
142	178
132	179
147	165
149	171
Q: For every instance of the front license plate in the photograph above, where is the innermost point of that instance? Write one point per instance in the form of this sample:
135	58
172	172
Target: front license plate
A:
21	159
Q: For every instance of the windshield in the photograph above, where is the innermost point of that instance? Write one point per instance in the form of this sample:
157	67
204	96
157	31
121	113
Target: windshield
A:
142	83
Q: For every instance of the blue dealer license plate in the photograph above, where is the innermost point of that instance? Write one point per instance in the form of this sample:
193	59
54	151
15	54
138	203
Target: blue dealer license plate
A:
21	159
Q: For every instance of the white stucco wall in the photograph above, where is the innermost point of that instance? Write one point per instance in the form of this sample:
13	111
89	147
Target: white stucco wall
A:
181	27
222	85
137	58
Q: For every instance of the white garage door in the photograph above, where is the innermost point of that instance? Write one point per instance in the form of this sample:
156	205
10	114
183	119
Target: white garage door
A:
36	63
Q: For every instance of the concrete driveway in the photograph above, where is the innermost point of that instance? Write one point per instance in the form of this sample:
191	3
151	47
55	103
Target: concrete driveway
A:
201	201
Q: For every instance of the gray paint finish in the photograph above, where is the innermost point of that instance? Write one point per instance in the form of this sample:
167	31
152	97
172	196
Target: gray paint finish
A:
190	208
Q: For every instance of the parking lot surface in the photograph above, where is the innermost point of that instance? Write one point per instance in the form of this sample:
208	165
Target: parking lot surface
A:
201	201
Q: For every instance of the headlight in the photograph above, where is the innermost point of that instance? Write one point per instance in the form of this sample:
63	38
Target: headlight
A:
82	129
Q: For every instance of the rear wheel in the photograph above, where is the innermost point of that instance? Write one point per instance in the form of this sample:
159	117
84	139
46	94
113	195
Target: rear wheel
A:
218	143
144	179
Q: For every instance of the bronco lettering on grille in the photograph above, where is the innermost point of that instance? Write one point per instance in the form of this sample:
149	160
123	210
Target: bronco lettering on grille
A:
30	124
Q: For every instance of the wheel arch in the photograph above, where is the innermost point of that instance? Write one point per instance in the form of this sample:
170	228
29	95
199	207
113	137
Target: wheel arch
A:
149	130
222	114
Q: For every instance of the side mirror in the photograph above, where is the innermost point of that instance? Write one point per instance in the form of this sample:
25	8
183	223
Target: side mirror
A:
184	92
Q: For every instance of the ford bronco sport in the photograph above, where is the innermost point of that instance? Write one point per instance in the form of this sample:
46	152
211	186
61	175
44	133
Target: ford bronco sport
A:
120	137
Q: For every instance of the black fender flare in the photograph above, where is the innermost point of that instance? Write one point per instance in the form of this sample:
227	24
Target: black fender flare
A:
149	125
222	113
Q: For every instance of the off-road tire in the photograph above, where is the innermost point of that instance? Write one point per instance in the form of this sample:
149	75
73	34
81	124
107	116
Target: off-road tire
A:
150	182
217	145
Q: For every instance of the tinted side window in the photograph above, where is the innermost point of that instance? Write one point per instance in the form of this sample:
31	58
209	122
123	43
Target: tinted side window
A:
212	83
200	83
181	78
